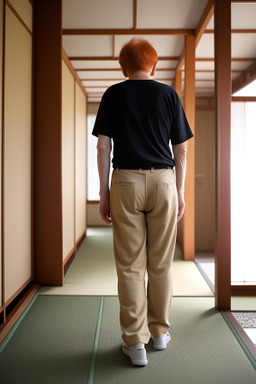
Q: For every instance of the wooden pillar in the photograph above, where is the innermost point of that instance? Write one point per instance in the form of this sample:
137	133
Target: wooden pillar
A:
178	83
189	106
222	20
48	183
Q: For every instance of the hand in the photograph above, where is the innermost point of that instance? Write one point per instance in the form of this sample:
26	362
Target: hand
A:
181	206
104	208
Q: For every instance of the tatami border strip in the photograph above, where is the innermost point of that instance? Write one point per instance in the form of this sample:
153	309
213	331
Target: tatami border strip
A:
245	342
17	323
96	341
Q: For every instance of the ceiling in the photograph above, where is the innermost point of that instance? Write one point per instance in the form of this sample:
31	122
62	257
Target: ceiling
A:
94	31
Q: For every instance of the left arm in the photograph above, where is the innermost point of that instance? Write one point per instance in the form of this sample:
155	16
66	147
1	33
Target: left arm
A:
103	157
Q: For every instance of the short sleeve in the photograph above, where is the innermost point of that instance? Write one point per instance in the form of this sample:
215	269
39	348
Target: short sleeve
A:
102	124
180	130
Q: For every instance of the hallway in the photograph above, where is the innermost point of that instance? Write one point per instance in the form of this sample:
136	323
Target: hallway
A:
73	336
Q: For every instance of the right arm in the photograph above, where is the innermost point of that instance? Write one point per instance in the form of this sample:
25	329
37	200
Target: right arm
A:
103	157
180	158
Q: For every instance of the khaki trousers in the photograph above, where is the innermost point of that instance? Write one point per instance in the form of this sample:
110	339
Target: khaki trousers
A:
144	218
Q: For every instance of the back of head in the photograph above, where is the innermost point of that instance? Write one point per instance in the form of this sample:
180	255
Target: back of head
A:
138	55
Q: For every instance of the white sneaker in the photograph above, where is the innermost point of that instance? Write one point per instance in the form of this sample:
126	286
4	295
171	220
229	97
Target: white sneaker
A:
160	343
136	353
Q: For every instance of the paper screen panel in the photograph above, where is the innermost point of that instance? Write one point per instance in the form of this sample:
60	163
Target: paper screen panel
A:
1	85
80	162
24	10
68	160
17	155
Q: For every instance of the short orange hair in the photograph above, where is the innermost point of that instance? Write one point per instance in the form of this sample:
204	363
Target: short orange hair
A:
137	55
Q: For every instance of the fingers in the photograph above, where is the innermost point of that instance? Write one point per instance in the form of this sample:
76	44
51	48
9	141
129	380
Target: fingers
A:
181	211
180	214
106	219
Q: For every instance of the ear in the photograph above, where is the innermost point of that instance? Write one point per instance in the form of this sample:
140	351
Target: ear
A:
123	70
153	71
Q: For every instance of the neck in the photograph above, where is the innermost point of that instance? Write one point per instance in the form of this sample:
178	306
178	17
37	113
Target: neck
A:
140	75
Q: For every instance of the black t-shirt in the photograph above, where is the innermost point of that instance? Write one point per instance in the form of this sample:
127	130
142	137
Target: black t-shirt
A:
143	117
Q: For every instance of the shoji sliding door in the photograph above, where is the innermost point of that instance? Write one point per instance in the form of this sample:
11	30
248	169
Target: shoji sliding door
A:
80	163
73	163
1	87
17	151
68	161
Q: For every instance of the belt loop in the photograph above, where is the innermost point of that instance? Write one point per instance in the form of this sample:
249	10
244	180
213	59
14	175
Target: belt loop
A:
152	169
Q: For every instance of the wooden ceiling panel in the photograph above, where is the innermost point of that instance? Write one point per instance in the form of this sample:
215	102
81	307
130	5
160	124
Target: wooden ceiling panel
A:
205	47
95	64
240	65
163	64
204	75
100	83
243	15
205	65
169	13
97	14
243	45
95	31
100	74
164	45
87	45
204	84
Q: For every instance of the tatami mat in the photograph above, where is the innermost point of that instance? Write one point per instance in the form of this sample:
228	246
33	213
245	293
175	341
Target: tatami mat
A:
53	343
202	349
94	273
77	340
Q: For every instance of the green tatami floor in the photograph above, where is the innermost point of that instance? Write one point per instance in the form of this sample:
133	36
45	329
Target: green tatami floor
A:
74	340
72	335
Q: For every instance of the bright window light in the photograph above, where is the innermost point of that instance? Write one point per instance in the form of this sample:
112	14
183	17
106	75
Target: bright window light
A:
249	90
243	192
92	170
93	185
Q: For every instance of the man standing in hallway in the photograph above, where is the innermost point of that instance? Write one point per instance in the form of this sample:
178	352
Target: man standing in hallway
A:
142	117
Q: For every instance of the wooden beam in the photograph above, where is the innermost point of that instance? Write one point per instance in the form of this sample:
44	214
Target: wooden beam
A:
181	60
241	31
208	12
189	106
244	98
178	83
222	19
72	70
245	78
119	69
48	158
234	60
204	21
135	12
130	31
122	79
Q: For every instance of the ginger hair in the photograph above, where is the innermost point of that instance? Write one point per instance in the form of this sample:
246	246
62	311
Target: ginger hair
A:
137	55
